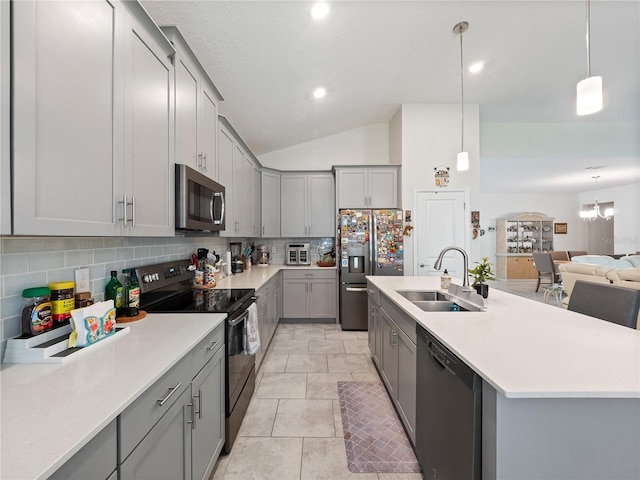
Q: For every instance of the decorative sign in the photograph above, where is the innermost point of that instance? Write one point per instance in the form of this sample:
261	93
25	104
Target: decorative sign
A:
441	176
560	228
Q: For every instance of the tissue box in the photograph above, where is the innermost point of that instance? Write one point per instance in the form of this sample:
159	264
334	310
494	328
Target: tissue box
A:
92	324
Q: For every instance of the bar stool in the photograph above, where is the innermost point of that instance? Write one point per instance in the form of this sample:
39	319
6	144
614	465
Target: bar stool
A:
607	302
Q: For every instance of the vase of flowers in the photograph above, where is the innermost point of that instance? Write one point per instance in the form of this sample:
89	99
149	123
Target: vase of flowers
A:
481	273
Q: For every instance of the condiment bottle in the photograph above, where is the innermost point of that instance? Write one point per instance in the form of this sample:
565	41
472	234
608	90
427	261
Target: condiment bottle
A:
445	280
62	302
113	291
133	293
36	314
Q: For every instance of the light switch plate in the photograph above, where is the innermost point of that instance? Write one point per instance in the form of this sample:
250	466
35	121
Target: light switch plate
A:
82	280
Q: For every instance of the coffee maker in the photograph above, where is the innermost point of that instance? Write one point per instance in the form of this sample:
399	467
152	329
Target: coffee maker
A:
262	256
237	266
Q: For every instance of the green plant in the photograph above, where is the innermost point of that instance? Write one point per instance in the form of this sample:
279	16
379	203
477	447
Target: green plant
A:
482	272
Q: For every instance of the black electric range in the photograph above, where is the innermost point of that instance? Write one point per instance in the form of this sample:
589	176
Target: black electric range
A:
167	288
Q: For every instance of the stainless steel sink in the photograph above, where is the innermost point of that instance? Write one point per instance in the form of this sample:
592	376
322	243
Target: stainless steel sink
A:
434	301
444	306
425	296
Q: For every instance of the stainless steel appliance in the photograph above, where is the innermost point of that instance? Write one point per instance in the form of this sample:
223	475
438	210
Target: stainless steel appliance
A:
199	201
263	255
166	288
237	265
370	243
298	254
449	420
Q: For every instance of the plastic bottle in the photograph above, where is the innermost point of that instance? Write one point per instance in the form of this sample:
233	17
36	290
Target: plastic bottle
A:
113	291
445	280
36	314
133	293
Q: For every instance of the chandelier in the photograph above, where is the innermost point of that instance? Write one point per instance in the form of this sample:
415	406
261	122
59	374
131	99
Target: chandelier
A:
594	213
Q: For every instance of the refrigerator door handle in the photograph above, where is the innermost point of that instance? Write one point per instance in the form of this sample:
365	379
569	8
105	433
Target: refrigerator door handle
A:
353	289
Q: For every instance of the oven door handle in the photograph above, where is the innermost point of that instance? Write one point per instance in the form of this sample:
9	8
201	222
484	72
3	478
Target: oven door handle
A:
241	319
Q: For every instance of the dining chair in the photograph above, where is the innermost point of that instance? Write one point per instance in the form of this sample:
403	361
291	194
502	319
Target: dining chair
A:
607	302
576	253
545	267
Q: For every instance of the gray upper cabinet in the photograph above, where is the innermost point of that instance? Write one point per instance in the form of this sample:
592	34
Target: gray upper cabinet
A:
270	204
367	187
240	175
5	119
197	100
93	120
307	207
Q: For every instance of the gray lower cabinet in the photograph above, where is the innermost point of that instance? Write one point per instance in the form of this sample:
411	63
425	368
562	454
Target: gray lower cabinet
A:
395	346
175	430
309	293
96	460
374	324
165	452
268	316
207	390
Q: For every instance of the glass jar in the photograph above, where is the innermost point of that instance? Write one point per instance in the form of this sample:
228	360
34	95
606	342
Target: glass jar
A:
62	302
36	314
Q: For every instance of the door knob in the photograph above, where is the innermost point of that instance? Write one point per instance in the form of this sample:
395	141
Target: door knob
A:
422	265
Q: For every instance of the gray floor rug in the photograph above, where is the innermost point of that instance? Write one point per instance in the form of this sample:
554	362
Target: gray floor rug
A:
374	439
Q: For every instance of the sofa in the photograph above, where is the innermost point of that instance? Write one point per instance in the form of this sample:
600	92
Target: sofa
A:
627	277
629	261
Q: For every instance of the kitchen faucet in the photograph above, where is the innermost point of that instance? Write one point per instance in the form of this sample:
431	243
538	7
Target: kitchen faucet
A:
465	277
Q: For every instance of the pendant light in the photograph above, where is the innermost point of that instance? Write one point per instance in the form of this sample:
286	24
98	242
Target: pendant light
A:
594	213
462	162
589	90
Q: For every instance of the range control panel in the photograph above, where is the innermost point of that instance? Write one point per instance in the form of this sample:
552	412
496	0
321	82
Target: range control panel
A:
162	275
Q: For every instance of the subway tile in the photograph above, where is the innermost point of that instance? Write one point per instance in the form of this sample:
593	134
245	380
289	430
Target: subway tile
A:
61	275
13	263
40	261
11	306
78	258
132	241
155	251
97	271
118	266
111	242
141	252
90	243
125	253
14	284
17	245
61	243
104	255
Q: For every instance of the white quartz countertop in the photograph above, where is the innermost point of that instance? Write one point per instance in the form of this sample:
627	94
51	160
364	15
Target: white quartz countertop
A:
49	412
528	349
256	276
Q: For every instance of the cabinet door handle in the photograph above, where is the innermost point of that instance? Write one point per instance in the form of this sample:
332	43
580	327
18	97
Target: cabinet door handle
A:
204	165
199	412
192	422
213	345
162	401
263	230
133	211
124	210
395	340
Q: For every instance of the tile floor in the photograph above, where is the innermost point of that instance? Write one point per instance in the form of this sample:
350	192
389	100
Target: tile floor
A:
293	428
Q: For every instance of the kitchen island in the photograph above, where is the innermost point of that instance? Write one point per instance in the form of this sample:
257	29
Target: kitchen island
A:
561	391
49	412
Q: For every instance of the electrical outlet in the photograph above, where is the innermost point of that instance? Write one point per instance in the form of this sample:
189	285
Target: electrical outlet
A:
82	280
273	249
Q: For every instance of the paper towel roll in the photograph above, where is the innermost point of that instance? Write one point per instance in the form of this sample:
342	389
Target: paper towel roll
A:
227	259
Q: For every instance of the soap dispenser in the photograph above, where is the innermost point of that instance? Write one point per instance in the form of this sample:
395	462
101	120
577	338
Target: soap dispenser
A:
445	280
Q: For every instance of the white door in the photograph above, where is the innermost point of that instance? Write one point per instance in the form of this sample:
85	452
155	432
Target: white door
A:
440	223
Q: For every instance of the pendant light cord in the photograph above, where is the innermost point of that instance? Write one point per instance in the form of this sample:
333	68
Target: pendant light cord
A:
462	95
588	38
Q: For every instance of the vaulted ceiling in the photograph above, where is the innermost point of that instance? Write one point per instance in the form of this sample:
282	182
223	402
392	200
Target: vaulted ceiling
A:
266	57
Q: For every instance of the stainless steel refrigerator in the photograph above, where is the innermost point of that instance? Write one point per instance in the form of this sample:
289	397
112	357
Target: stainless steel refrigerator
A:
370	243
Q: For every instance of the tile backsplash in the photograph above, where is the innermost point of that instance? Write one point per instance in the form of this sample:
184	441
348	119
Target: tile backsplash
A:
36	261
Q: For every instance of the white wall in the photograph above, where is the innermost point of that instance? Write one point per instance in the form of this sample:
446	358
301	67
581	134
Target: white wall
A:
367	145
626	228
430	138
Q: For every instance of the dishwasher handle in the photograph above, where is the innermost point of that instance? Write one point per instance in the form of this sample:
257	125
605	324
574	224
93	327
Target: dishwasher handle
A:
440	358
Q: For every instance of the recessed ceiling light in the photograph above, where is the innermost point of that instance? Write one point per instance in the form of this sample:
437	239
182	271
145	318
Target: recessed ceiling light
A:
320	10
476	67
319	92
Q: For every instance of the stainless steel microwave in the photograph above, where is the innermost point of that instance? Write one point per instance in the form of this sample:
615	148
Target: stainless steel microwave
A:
199	201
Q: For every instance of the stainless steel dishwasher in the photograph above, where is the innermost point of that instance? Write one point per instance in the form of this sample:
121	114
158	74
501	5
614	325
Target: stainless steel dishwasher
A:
448	413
